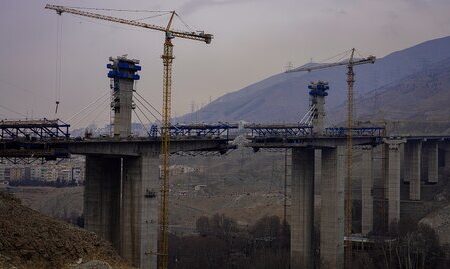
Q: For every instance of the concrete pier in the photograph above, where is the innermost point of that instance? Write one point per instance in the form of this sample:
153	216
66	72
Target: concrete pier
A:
302	208
140	204
431	151
413	150
121	203
367	190
332	208
447	156
102	198
393	180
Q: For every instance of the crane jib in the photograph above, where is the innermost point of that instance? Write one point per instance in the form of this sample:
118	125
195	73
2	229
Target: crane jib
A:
199	36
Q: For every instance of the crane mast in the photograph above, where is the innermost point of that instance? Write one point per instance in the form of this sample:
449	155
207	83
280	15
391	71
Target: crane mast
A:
163	242
350	63
348	193
163	239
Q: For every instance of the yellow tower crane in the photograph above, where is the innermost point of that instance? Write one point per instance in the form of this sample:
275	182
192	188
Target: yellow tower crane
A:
163	244
350	63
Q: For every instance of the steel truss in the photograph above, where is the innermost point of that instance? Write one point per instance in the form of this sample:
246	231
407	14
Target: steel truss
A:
278	130
33	129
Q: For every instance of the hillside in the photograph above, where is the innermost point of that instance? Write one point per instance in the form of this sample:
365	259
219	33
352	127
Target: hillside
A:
29	239
421	97
283	97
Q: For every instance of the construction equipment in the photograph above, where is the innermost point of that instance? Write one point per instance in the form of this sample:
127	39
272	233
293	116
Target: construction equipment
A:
350	63
167	57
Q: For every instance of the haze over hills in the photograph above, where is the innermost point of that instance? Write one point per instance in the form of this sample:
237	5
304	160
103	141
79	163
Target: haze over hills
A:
284	97
420	97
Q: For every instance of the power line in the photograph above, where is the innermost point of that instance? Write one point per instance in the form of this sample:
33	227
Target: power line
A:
40	95
13	111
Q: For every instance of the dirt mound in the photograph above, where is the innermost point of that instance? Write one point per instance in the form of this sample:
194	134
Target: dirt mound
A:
29	239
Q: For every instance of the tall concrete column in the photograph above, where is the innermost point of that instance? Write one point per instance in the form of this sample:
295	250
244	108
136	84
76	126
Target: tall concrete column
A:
402	162
302	208
332	208
122	74
432	161
393	180
140	204
413	151
102	198
447	156
317	170
367	190
317	101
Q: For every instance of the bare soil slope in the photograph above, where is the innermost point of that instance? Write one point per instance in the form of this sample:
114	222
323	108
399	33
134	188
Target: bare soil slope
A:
29	239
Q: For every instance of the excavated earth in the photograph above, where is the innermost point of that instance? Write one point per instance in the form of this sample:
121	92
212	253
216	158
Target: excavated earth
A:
29	239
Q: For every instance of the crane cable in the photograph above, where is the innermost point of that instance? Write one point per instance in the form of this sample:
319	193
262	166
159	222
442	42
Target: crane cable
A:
58	62
151	17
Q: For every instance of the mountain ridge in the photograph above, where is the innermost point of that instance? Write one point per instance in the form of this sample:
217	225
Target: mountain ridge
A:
283	97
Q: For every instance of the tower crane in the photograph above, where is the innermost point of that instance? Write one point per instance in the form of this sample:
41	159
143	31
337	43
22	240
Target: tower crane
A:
167	57
349	63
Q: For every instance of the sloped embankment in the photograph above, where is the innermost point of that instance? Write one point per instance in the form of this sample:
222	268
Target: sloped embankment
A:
29	239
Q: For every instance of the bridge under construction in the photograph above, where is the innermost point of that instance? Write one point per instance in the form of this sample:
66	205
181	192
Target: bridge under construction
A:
123	174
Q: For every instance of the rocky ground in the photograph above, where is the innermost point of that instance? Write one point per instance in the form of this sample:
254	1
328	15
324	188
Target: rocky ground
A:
29	239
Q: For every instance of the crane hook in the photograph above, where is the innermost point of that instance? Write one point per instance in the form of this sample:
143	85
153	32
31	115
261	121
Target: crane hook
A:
56	109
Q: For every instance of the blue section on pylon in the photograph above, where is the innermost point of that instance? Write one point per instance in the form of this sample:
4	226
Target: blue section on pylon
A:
318	88
123	70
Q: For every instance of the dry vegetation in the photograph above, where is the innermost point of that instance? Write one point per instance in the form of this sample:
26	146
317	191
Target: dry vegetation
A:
29	239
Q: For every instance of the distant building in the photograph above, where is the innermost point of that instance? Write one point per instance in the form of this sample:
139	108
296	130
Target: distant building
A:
77	175
65	175
16	173
7	174
66	170
2	172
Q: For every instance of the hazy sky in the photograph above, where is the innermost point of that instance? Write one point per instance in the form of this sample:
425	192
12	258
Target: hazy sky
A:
253	39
